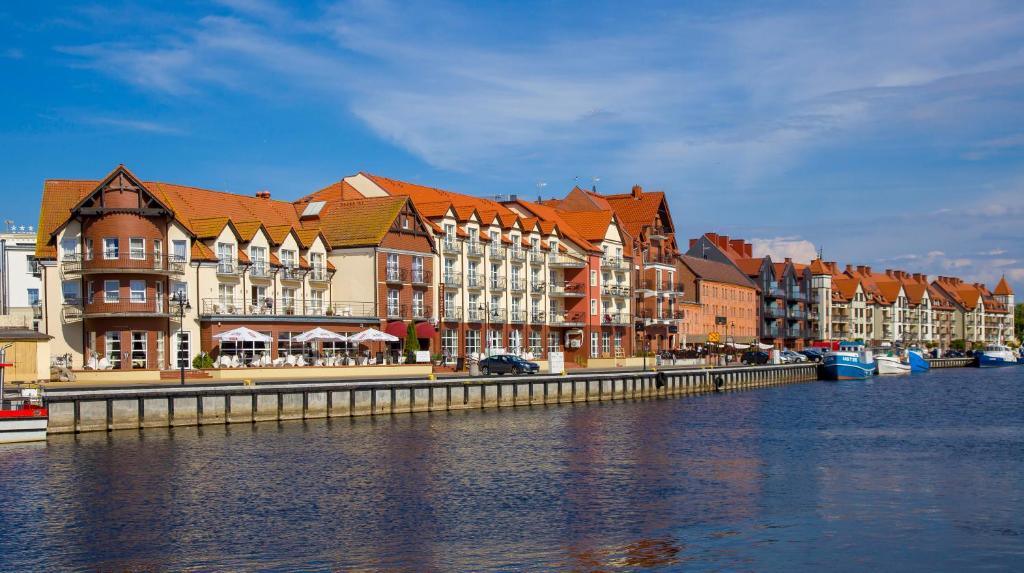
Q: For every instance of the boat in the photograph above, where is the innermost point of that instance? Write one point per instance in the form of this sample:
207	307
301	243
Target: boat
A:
24	418
918	363
891	363
995	355
851	362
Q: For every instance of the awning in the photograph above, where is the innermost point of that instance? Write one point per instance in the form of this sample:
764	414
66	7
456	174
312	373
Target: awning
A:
396	328
425	330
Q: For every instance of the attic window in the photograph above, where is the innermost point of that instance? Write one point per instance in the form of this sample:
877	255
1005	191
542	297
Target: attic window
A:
313	209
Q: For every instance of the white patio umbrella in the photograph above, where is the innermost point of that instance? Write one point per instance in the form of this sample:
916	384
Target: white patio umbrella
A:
373	335
242	334
320	334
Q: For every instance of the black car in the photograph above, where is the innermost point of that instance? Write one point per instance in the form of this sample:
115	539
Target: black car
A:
812	354
507	364
755	357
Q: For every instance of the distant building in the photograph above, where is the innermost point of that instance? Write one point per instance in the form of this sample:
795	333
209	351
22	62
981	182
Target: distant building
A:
20	283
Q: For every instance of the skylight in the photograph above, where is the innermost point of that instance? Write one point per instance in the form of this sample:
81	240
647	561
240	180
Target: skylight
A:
313	209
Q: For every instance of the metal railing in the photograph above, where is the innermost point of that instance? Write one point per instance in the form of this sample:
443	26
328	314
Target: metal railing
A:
475	281
517	285
239	306
421	311
496	283
517	316
560	260
397	310
797	314
136	262
474	249
538	316
452	279
451	247
537	257
615	318
475	314
654	259
496	252
292	273
564	318
452	314
396	275
495	314
538	287
775	311
421	276
318	275
517	254
78	309
614	263
567	288
615	290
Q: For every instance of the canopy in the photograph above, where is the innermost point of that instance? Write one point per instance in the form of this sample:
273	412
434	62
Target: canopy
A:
372	335
764	346
242	334
425	330
396	328
319	334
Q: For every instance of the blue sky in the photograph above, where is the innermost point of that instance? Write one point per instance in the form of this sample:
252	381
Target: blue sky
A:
885	133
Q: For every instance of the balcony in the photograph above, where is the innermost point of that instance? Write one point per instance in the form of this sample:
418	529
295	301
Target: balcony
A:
566	318
135	263
299	308
475	281
567	289
517	316
452	314
452	280
794	333
474	249
496	253
797	314
538	317
614	263
396	275
773	290
37	309
517	285
421	277
796	294
772	331
122	308
421	312
615	291
538	287
318	275
537	258
397	311
259	270
496	315
615	318
475	314
517	255
496	283
651	260
290	273
451	247
657	233
557	260
775	312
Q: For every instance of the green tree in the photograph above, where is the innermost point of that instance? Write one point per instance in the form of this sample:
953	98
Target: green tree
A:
412	344
1018	321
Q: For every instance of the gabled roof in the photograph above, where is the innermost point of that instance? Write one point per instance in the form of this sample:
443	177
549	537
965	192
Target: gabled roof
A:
550	218
706	269
750	267
1003	288
212	227
361	222
592	225
247	229
636	211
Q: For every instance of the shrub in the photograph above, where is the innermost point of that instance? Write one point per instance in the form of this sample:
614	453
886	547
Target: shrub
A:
202	360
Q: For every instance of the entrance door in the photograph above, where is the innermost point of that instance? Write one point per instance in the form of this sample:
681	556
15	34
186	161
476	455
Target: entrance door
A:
139	350
183	349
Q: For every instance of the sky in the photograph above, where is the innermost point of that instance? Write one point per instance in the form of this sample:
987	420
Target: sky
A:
881	133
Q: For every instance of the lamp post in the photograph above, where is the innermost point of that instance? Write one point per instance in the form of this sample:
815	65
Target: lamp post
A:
181	300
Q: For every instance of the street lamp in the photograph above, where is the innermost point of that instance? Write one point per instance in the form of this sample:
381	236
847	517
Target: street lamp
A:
181	300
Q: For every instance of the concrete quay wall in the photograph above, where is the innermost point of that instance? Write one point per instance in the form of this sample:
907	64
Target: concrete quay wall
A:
132	408
950	362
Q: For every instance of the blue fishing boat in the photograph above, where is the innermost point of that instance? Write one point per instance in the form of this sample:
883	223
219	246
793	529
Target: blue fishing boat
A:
918	363
851	362
996	355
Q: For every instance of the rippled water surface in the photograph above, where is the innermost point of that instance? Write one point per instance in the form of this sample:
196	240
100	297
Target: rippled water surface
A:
918	473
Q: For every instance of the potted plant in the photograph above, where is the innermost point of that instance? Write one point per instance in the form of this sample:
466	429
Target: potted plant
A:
330	311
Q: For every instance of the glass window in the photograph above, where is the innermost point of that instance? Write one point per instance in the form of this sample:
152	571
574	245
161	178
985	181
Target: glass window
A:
287	345
392	302
553	342
33	296
111	248
472	341
137	290
535	342
494	339
112	340
137	248
111	291
606	343
593	307
417	304
515	340
179	248
450	342
594	348
69	248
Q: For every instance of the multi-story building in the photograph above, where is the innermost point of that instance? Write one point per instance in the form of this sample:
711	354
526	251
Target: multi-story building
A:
785	288
981	317
20	285
728	300
144	274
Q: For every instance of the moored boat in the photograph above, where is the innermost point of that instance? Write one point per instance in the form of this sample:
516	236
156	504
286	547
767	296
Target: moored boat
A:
22	419
891	364
995	355
851	362
918	363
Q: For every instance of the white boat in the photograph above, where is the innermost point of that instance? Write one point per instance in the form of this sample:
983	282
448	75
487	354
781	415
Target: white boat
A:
22	419
891	364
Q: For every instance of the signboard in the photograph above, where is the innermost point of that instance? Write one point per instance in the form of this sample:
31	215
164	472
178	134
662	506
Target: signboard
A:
556	362
721	320
422	356
714	337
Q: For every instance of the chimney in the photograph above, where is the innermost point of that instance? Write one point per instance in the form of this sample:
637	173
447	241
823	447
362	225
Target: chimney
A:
723	242
263	194
849	268
862	269
693	242
637	191
748	250
789	260
736	245
890	273
867	270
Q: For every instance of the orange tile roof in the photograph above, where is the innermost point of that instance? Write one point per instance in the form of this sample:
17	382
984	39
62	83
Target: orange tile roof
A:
750	267
360	222
209	228
200	252
247	229
553	217
636	212
337	191
592	225
846	287
307	236
818	268
1003	288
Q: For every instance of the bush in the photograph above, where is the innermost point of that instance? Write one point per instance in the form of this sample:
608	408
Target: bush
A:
202	360
412	344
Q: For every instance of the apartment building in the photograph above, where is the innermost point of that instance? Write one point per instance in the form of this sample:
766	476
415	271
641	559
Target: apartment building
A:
20	285
981	316
785	288
726	302
144	274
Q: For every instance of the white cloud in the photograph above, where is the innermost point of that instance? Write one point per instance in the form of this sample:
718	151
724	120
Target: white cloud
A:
127	124
993	252
780	248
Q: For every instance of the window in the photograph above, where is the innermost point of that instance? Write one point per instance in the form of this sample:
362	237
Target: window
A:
417	270
417	305
111	291
535	342
183	347
494	339
137	248
449	304
553	342
515	340
139	350
618	340
392	267
112	339
593	307
288	300
392	302
472	342
33	296
286	345
88	249
258	256
316	261
258	297
593	278
111	248
496	307
69	248
606	343
137	291
316	301
160	344
226	257
594	348
178	248
450	342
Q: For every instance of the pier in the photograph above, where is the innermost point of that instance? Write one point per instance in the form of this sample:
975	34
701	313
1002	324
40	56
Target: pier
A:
132	408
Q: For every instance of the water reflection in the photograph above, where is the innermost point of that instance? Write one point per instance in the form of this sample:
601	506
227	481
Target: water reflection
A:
915	473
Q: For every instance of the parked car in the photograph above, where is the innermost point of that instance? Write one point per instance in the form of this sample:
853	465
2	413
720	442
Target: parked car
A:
790	357
755	357
812	354
507	364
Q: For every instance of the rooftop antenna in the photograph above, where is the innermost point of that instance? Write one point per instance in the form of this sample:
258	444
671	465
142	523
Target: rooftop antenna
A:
540	189
10	224
594	185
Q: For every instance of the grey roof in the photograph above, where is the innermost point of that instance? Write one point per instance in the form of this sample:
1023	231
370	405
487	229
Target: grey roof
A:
710	270
8	333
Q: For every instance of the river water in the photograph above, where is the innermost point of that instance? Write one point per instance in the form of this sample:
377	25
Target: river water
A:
919	473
